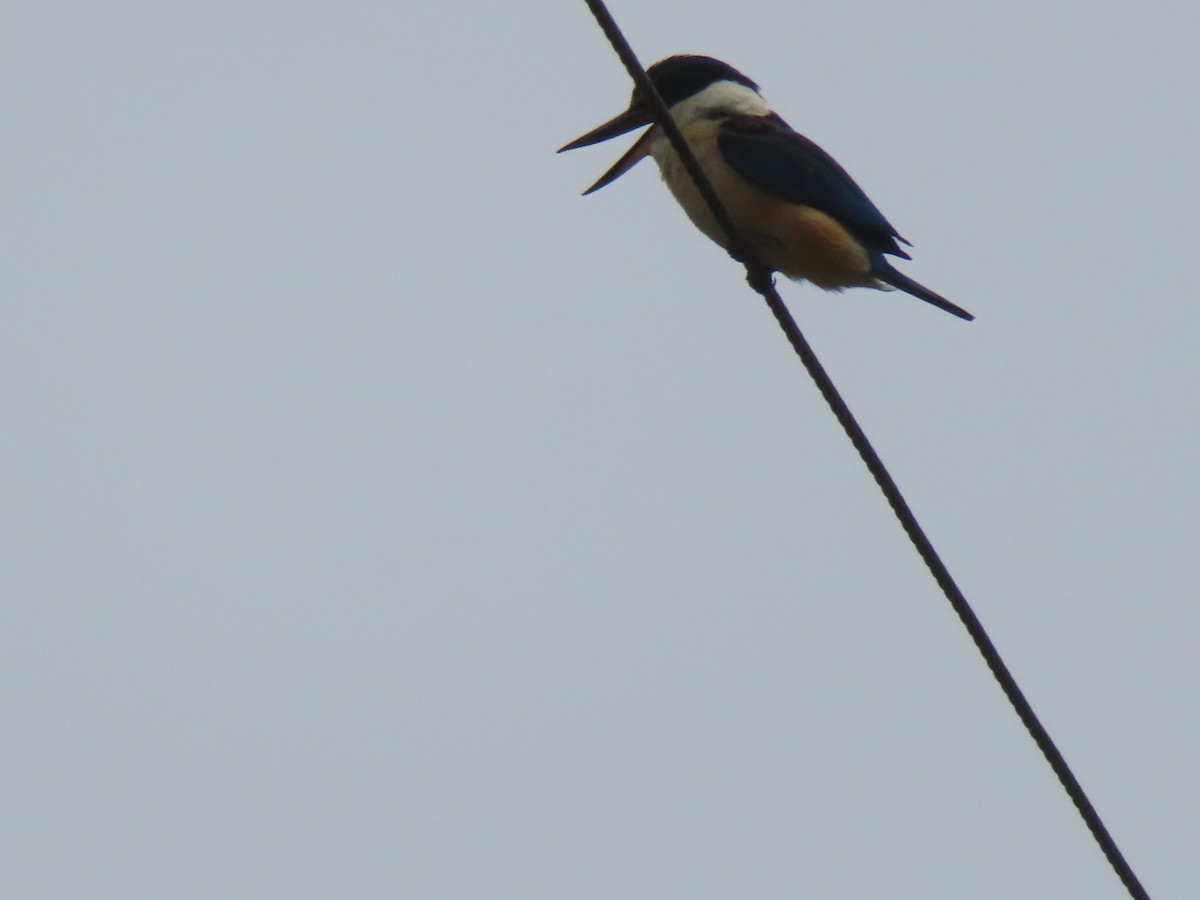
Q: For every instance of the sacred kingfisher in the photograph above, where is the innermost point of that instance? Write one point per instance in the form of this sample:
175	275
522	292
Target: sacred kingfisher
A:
802	213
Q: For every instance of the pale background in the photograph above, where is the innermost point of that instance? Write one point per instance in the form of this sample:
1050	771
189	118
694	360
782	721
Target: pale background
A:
380	519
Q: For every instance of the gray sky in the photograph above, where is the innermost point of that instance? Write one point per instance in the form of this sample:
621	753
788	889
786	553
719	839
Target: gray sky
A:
382	519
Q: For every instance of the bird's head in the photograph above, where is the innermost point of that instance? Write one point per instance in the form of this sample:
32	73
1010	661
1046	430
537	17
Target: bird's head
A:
688	85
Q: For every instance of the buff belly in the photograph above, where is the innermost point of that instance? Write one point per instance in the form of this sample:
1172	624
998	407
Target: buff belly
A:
799	241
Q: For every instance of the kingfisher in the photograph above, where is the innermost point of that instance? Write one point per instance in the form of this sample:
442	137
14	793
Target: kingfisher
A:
801	212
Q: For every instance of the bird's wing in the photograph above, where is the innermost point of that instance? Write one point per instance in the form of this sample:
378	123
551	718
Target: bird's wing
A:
770	155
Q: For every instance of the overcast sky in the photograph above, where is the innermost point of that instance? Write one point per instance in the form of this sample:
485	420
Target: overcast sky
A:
382	519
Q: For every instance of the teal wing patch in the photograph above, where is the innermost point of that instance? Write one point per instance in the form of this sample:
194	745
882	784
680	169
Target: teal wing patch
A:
771	156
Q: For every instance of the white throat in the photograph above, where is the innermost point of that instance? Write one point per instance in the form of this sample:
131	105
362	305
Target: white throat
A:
700	119
723	96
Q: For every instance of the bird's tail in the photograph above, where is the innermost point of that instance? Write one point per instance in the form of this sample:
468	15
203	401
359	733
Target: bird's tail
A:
885	273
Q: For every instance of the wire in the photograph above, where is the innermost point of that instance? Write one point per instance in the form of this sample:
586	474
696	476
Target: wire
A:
759	278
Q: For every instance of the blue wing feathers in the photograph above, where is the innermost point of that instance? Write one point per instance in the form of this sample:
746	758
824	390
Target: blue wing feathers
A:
770	155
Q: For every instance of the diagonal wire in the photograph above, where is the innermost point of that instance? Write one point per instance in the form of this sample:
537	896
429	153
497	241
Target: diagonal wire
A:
760	279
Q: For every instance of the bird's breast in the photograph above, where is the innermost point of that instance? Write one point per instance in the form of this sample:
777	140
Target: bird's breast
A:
799	241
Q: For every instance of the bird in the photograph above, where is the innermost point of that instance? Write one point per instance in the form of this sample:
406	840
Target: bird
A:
801	212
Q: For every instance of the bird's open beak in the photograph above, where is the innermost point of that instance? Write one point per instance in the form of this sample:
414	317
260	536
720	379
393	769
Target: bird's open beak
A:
634	117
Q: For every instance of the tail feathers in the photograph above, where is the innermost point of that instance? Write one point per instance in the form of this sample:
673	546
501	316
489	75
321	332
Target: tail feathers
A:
885	273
